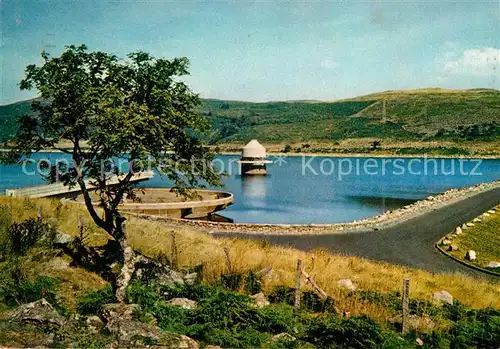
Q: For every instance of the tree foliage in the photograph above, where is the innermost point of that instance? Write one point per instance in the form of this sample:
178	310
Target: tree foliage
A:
137	109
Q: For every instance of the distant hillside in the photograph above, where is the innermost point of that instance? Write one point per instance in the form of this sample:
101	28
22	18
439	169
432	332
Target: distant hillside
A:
413	114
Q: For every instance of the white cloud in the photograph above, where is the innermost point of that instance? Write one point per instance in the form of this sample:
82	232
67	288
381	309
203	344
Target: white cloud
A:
328	64
476	62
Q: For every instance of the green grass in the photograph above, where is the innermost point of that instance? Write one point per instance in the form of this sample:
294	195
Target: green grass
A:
483	238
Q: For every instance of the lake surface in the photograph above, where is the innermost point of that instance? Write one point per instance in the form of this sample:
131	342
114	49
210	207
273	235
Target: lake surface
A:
317	189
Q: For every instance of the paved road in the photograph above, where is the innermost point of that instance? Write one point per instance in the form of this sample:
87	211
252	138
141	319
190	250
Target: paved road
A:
409	243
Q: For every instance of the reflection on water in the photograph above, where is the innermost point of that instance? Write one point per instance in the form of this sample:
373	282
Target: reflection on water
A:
384	203
288	194
254	187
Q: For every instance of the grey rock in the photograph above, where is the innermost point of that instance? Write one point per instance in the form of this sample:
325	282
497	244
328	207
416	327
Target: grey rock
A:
285	337
446	242
94	324
183	303
442	297
260	300
191	278
113	311
40	313
458	231
419	342
493	264
147	269
133	333
347	284
452	247
63	238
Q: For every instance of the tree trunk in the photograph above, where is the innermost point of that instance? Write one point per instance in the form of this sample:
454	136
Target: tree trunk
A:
128	268
126	273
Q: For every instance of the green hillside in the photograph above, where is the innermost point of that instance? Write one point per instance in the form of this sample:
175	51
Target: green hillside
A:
417	114
8	118
430	114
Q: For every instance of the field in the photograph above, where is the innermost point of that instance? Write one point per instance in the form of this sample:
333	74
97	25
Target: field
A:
225	315
152	239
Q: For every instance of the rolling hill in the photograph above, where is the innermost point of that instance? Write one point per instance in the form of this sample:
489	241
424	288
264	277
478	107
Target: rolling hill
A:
426	114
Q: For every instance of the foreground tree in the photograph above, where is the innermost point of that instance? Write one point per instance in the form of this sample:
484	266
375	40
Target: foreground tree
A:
135	109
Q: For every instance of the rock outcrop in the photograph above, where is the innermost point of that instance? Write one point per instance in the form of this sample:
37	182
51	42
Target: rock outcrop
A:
183	303
260	300
40	313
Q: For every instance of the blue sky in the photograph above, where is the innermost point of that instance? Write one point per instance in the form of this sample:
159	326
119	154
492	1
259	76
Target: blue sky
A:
270	50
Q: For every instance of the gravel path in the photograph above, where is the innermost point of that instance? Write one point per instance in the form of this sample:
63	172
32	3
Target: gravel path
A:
409	243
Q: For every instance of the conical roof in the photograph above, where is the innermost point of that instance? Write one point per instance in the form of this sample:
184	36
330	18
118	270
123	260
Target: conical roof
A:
254	149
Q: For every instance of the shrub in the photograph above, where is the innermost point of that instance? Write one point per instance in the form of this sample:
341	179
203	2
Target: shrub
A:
252	283
356	332
278	318
232	281
287	148
21	237
92	302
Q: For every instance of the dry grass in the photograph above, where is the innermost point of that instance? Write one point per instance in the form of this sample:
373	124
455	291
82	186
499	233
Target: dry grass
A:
194	248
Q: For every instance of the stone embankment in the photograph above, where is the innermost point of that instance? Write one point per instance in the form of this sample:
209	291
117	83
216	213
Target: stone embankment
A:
387	219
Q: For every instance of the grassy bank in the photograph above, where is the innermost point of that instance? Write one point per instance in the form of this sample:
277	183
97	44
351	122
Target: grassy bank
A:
385	147
195	248
225	315
483	238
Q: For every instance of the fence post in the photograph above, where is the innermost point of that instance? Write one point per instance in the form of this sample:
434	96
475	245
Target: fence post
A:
9	214
80	224
296	302
174	250
228	261
406	288
38	212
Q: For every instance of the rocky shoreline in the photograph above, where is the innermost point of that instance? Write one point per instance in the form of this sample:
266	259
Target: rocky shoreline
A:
387	219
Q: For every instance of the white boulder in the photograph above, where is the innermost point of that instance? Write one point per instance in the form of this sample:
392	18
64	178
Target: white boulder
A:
493	264
347	284
260	300
442	297
458	231
470	255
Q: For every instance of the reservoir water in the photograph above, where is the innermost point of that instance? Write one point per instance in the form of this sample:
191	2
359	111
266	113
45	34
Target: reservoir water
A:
305	189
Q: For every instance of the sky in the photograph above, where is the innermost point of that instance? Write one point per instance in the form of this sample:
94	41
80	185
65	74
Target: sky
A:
269	50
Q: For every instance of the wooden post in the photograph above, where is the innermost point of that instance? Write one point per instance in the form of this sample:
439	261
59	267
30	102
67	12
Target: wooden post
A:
228	261
9	214
38	212
262	273
406	288
174	250
296	302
